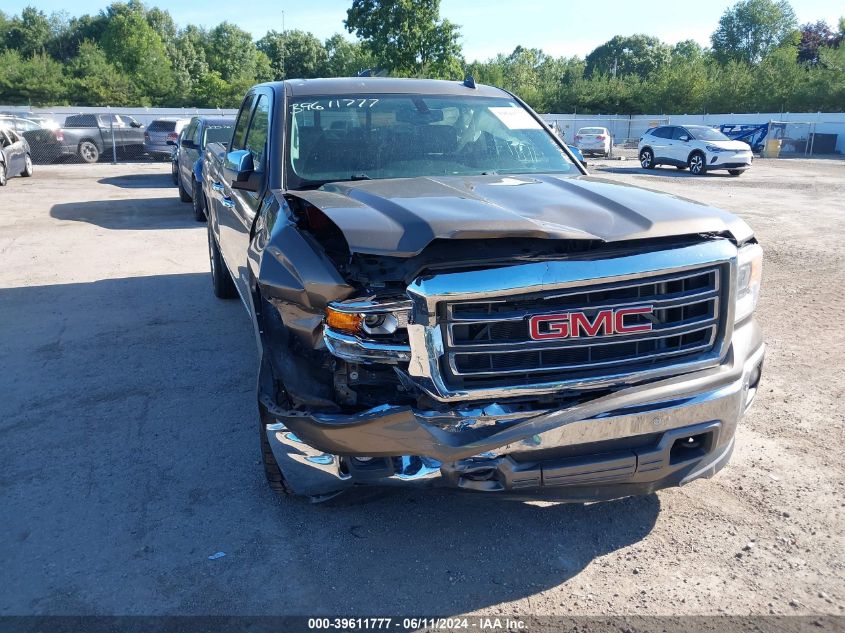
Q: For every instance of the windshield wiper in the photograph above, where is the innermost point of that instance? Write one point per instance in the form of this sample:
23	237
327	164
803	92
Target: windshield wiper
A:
359	177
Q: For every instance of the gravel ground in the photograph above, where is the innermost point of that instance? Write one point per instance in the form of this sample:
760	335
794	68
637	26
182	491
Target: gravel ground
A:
129	448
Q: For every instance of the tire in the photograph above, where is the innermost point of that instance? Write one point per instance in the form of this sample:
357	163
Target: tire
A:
697	164
198	201
88	152
184	196
221	279
3	175
647	158
735	172
174	173
27	168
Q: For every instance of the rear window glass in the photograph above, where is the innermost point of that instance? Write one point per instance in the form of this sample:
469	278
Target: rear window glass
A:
81	120
218	134
162	126
591	130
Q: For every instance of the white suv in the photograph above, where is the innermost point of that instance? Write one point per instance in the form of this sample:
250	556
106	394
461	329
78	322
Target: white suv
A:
698	147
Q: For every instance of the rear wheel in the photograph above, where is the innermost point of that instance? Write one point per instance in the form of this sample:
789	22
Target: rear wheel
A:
647	159
88	152
221	279
174	173
184	196
735	172
27	167
697	164
199	201
2	174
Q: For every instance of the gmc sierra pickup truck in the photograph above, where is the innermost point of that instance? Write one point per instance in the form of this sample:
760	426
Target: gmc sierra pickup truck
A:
441	295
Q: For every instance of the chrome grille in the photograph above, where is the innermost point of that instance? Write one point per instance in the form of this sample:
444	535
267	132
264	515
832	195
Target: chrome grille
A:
488	342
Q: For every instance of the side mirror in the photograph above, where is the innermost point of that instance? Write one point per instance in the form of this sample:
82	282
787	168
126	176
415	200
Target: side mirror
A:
136	124
685	138
188	144
171	142
240	170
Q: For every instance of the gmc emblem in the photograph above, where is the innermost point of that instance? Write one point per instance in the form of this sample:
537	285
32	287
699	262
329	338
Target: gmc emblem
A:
577	324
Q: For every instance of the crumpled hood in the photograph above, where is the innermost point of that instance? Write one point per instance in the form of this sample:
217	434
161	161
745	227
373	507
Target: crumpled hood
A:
401	216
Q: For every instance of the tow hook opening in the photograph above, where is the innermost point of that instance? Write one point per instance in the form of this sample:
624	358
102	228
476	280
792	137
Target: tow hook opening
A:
690	447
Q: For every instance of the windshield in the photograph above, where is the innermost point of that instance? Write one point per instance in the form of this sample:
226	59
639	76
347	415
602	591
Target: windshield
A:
405	136
706	133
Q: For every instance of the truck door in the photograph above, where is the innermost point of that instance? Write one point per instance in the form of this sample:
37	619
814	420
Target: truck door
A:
242	205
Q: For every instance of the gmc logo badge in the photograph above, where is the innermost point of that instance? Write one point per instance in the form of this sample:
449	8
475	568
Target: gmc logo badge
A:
577	324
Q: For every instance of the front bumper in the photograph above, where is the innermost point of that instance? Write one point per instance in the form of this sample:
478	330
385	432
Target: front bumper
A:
632	441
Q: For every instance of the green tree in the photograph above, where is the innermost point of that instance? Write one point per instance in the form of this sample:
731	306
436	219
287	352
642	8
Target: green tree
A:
631	55
29	33
94	81
189	65
752	29
294	54
135	48
345	58
407	37
37	81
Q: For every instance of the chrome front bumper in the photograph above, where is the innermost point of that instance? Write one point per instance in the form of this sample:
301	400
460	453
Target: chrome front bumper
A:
492	448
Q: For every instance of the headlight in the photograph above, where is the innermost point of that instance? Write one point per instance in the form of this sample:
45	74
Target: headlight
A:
368	317
714	149
749	275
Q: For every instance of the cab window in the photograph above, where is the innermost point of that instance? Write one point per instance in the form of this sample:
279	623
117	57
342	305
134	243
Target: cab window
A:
239	138
256	138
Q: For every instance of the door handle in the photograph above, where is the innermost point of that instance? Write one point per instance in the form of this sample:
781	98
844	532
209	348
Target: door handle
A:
228	202
216	186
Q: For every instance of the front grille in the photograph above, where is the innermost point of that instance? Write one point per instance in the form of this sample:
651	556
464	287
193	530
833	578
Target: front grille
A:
487	343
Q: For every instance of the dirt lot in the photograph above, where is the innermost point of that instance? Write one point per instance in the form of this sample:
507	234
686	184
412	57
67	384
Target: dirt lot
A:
130	455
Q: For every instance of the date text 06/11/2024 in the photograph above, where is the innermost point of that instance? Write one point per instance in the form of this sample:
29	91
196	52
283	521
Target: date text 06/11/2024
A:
480	623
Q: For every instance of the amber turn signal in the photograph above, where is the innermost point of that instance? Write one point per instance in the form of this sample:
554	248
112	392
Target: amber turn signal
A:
343	321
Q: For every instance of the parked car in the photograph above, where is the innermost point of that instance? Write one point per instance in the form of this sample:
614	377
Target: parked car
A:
594	141
15	158
190	157
160	136
89	136
440	295
174	157
697	147
39	132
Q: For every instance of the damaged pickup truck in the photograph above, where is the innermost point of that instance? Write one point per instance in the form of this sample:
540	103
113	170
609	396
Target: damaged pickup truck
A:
442	296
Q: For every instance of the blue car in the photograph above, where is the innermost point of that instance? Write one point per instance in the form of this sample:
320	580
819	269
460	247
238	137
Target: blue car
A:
188	157
578	154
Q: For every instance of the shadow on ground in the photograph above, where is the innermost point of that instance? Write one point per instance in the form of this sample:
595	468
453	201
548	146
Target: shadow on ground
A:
140	181
668	172
129	214
129	426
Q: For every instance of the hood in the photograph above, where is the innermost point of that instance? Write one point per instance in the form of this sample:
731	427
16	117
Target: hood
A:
737	146
401	216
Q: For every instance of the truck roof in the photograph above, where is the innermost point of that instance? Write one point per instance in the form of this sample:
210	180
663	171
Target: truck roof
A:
382	85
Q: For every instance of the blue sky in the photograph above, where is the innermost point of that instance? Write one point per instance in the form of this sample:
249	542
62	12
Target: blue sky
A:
487	26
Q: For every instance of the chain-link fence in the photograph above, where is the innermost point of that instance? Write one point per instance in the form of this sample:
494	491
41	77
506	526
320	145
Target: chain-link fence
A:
92	136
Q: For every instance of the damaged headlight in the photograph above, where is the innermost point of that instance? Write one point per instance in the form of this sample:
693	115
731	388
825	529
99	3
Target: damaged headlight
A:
749	277
369	317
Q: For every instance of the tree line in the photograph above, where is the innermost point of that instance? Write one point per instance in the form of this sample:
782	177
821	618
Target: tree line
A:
130	54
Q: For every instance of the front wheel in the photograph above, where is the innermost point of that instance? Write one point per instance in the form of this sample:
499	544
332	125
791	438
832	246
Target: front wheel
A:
174	173
697	164
647	159
88	152
221	279
735	172
27	167
3	174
